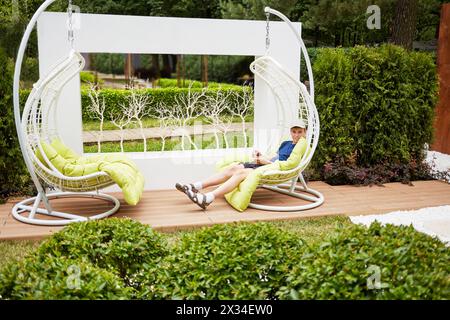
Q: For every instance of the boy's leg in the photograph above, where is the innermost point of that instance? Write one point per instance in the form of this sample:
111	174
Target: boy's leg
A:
232	182
221	177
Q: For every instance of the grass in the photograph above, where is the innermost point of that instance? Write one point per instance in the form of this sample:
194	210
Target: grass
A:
94	125
312	230
15	250
207	141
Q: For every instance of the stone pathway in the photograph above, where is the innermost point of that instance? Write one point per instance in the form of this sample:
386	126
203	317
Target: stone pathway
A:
135	134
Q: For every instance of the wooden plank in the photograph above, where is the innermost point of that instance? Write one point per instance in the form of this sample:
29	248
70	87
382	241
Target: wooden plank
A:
170	210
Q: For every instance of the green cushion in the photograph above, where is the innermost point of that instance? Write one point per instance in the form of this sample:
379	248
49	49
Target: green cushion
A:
63	150
121	170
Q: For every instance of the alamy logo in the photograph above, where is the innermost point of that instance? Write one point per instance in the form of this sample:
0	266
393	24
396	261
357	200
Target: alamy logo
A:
374	281
374	20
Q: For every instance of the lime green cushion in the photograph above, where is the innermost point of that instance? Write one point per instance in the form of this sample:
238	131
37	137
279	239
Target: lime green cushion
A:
121	170
63	150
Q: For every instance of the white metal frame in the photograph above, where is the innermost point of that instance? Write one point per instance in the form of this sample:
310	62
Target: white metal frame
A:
165	35
282	84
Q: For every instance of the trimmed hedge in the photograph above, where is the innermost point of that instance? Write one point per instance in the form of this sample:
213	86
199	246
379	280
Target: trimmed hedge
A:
237	261
13	173
411	265
173	83
114	97
50	278
122	246
234	261
375	104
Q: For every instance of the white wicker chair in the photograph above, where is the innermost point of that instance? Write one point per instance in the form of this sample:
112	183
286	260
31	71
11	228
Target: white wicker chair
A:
38	124
290	94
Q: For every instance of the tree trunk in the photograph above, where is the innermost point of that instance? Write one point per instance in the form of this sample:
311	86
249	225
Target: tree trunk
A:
204	70
128	67
179	70
167	70
155	66
404	23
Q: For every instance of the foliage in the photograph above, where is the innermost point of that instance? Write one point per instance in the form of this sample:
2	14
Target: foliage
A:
173	83
87	77
253	9
338	260
114	97
122	246
13	176
376	105
342	172
50	278
228	69
236	261
411	265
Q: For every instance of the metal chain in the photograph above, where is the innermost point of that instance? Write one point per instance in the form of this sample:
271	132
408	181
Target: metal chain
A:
267	31
70	36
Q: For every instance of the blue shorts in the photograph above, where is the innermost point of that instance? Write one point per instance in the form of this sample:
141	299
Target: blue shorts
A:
249	165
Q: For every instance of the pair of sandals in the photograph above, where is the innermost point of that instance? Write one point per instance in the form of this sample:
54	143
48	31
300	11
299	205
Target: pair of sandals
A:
192	192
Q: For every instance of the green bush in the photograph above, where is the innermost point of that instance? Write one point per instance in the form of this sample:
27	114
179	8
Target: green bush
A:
114	98
236	261
50	278
87	77
376	105
173	83
412	265
13	173
122	259
122	246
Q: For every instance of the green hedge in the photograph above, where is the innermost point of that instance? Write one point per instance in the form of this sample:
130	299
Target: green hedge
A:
240	261
406	263
375	104
122	259
13	173
173	83
114	98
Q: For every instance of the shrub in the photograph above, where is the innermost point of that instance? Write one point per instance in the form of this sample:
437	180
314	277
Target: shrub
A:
13	174
412	265
236	261
59	278
114	98
122	246
341	172
173	83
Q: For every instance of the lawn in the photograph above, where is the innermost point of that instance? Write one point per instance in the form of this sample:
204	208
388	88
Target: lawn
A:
313	229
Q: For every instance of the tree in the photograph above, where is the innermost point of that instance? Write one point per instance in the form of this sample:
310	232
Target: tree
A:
404	23
253	9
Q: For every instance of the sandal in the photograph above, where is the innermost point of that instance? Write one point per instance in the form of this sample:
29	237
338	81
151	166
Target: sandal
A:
185	188
194	198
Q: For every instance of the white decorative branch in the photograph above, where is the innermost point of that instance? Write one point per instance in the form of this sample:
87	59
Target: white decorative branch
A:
97	108
244	106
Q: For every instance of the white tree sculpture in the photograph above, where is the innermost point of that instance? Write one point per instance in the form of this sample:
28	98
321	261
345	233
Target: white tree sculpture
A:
139	103
187	108
244	105
97	109
213	109
166	122
121	121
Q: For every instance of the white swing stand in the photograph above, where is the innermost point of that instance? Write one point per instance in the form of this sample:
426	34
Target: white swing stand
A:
37	124
293	101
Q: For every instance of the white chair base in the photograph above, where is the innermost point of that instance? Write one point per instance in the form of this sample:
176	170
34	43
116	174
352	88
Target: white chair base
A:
31	205
294	191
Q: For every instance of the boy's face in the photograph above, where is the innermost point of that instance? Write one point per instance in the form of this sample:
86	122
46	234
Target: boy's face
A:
297	133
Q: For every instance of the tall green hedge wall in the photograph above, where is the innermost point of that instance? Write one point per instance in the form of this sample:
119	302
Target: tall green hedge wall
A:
375	104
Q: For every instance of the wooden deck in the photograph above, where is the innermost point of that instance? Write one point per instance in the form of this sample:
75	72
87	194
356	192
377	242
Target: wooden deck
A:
170	210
